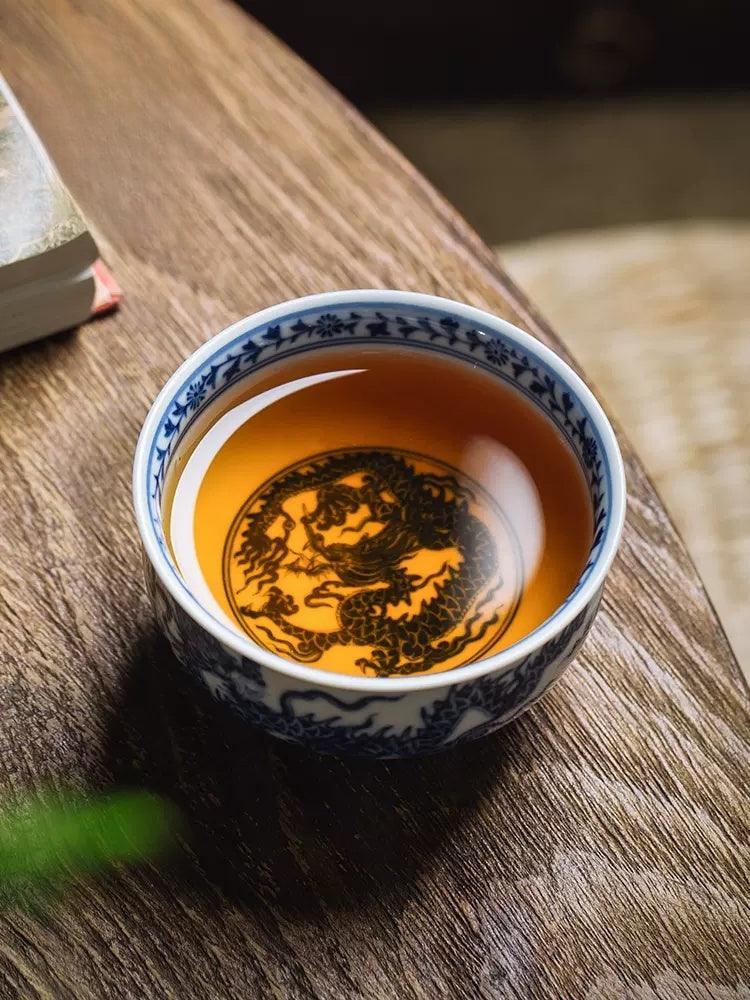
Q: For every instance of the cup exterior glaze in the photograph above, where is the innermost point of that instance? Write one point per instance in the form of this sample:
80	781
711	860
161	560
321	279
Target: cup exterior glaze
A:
376	717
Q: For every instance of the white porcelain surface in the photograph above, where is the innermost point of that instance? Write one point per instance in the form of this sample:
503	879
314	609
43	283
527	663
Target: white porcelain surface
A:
381	717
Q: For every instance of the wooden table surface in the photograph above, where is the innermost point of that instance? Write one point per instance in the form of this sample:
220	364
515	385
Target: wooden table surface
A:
596	848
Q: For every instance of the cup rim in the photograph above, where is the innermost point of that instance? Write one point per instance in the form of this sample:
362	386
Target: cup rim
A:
316	676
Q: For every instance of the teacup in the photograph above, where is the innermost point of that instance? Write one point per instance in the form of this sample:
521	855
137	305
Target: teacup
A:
375	716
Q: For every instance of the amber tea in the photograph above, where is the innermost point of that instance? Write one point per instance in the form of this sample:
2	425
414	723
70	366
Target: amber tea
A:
379	511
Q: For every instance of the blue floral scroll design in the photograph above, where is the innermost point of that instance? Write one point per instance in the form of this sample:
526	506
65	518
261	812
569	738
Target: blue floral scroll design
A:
368	323
239	683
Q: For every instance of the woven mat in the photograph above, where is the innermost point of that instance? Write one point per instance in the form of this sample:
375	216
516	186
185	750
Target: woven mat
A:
659	316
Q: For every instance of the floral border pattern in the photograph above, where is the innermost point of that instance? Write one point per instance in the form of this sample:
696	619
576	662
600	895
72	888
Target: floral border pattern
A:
367	324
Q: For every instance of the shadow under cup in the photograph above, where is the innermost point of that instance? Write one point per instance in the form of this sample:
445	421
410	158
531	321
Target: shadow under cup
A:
381	716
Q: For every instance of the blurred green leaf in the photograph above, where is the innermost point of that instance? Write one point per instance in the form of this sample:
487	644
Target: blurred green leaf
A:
51	839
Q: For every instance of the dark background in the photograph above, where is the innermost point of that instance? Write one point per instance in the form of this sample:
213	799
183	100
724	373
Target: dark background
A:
396	51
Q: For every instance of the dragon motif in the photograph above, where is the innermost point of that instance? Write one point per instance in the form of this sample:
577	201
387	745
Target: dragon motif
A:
349	523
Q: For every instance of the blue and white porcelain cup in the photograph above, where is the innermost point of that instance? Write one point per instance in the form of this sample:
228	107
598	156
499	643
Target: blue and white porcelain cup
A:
370	716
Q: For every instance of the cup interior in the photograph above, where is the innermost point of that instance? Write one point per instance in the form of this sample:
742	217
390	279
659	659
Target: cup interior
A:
215	375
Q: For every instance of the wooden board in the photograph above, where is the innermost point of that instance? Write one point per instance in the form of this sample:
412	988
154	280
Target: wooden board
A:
598	848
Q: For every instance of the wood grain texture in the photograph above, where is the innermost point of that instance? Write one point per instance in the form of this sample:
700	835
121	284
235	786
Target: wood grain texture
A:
597	848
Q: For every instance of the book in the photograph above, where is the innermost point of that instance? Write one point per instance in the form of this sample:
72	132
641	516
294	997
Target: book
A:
51	277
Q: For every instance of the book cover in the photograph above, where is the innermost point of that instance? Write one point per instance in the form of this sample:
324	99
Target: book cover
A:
42	231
